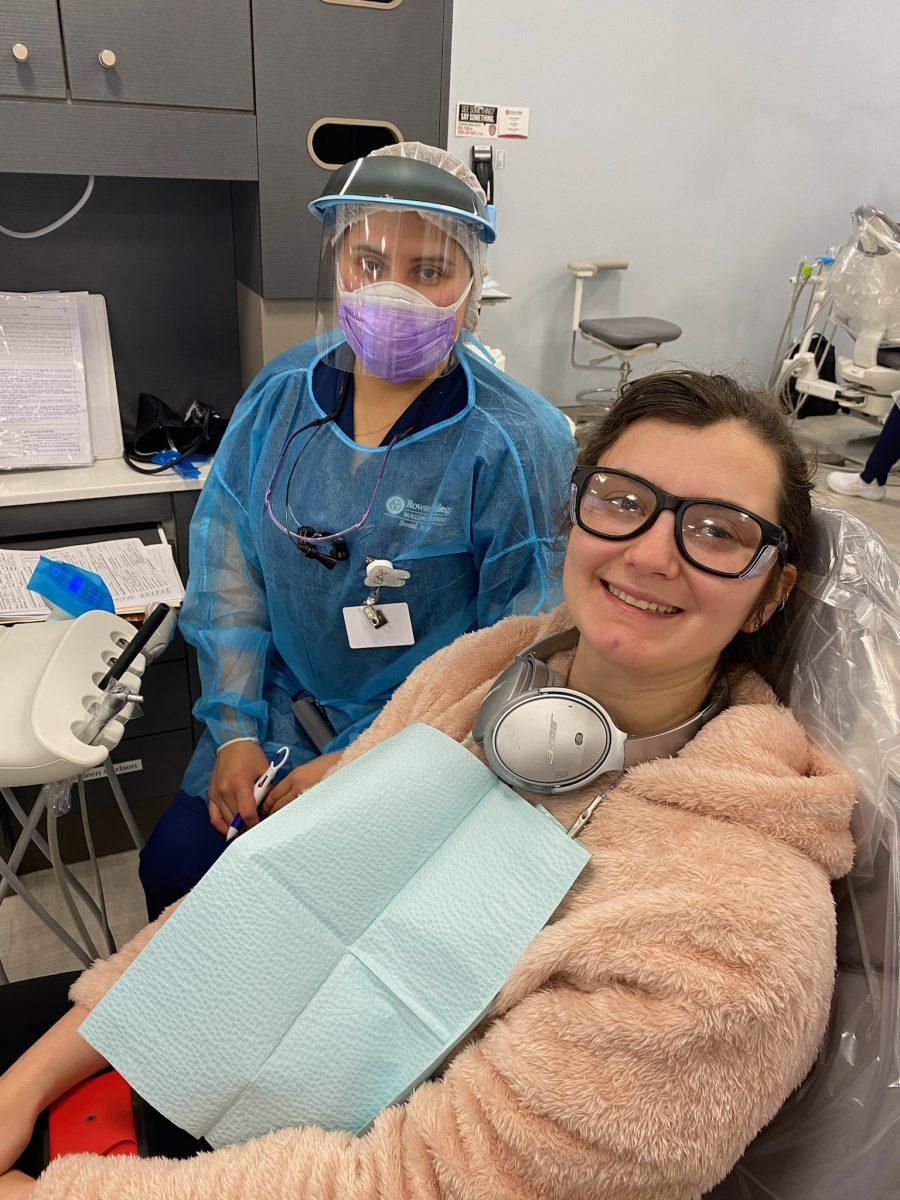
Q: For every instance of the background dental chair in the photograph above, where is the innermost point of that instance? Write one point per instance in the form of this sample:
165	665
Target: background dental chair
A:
623	338
851	294
838	1136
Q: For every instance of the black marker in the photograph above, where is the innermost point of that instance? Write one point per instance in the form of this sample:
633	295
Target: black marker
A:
120	665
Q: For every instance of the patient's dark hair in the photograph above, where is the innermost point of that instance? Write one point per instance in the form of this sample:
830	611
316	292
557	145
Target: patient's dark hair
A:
699	400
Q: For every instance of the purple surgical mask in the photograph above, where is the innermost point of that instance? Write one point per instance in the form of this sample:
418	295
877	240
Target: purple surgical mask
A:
396	332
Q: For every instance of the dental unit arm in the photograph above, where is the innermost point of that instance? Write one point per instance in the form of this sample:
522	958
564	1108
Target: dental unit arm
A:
69	688
56	721
856	288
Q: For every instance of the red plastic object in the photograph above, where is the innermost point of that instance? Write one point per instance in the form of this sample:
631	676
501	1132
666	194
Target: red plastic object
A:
94	1117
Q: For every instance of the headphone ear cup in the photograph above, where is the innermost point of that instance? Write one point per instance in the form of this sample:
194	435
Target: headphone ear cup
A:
526	673
539	674
504	688
542	676
554	740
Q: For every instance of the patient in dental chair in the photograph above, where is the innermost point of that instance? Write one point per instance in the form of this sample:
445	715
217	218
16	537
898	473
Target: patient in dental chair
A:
682	988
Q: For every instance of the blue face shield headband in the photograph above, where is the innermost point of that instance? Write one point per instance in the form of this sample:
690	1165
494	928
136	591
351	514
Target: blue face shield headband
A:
712	535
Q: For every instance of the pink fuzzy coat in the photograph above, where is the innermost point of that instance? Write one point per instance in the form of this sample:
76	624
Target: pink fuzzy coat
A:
649	1031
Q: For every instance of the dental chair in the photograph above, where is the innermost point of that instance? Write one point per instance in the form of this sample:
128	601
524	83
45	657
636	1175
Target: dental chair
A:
838	1136
857	289
623	338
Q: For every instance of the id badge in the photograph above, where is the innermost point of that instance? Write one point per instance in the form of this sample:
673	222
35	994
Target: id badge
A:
396	631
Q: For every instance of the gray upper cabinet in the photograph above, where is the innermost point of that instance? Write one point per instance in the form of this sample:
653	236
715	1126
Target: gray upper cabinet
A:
380	72
186	89
31	61
192	53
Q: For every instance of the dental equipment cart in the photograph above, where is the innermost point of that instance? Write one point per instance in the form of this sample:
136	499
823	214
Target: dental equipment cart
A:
69	687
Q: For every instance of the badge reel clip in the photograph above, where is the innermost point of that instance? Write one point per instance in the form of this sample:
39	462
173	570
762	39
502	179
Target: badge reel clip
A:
380	573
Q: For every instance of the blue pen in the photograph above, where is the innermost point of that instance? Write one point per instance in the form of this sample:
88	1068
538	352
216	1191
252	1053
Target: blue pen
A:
260	788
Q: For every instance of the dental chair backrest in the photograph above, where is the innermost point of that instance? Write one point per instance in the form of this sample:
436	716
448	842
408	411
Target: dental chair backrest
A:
838	1135
864	280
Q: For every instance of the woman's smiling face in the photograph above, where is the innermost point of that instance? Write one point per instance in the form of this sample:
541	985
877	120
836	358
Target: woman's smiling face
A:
724	461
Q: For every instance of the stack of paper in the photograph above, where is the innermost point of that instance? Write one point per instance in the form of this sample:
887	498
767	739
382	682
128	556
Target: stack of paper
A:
100	378
136	575
58	401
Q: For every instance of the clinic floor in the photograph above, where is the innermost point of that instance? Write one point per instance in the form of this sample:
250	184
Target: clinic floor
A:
883	515
27	948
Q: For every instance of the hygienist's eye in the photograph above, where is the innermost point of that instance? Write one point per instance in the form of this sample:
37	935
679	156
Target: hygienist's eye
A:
430	274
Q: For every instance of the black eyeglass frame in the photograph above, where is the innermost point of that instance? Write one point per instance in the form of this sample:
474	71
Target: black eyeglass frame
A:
773	535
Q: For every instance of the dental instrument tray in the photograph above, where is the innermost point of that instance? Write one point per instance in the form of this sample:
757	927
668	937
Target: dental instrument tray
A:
52	674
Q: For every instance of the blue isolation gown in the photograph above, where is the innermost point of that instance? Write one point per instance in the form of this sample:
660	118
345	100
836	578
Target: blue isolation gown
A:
472	507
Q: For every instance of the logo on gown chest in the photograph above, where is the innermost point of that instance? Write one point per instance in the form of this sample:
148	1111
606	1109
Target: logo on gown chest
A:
416	515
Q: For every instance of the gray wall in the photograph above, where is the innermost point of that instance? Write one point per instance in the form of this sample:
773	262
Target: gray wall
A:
162	253
711	144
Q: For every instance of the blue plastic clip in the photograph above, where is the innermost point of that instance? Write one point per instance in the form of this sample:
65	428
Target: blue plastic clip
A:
188	468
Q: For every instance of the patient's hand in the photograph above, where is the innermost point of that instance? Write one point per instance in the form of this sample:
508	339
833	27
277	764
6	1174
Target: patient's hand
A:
299	780
238	766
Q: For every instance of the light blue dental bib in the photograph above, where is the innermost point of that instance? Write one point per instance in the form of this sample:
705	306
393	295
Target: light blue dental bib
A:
337	952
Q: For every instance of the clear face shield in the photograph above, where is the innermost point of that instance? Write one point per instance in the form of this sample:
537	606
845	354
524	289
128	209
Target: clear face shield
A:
393	290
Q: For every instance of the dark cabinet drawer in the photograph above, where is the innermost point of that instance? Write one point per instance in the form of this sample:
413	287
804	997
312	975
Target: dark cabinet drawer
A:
192	53
167	702
154	766
31	61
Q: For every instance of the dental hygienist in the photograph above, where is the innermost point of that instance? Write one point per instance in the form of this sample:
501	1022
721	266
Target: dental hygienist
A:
381	490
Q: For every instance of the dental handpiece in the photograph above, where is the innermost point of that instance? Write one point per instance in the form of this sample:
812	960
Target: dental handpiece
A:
111	704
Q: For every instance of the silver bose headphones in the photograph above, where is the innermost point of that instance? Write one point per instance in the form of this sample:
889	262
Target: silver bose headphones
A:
539	735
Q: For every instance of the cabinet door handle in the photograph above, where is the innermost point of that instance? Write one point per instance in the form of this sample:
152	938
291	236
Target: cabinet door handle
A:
20	52
107	59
